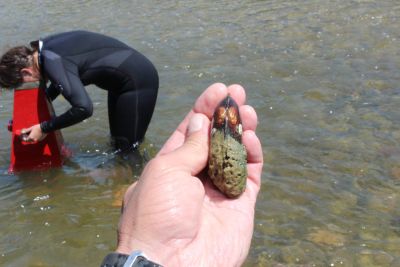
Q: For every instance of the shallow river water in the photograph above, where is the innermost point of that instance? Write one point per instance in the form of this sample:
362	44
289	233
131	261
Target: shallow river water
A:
324	79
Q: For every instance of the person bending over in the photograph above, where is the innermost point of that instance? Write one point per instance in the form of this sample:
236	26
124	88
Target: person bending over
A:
72	60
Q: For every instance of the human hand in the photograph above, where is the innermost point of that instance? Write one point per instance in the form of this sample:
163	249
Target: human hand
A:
33	134
174	214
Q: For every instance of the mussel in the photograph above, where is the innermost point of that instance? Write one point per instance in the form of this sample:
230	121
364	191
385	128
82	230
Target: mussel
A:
227	166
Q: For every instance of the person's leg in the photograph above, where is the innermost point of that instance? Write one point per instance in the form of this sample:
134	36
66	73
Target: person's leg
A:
112	101
130	114
131	108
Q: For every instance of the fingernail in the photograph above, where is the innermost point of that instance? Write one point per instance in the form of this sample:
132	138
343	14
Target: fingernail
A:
195	123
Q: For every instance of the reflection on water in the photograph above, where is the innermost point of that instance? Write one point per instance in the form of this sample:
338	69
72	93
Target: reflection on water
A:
323	77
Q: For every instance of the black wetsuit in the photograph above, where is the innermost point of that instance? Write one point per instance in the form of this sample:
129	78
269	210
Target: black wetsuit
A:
72	60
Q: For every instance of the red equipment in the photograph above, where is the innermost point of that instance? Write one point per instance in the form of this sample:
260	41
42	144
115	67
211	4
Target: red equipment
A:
31	107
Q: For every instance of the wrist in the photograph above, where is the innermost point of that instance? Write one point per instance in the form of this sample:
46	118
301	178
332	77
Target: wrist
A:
135	259
158	253
151	253
44	127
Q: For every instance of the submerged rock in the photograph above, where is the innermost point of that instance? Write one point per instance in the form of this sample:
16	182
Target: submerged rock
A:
327	238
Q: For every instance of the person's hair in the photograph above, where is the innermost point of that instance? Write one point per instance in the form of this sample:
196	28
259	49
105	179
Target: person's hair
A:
11	64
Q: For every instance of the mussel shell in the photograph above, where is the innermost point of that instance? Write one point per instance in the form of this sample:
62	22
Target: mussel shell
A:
227	166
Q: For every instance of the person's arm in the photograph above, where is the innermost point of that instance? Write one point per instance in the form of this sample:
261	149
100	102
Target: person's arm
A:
65	79
174	214
81	109
52	92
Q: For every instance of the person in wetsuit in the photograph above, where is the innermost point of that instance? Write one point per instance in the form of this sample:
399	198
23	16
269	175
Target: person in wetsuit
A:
72	60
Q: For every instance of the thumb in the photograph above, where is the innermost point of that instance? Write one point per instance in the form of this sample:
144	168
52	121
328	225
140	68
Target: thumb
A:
193	154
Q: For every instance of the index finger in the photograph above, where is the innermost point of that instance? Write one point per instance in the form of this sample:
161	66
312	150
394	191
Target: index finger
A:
204	104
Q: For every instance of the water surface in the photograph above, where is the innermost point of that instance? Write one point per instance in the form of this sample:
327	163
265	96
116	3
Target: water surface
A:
324	78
